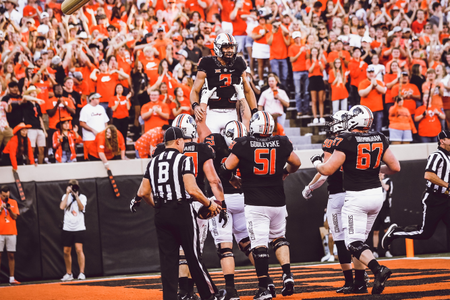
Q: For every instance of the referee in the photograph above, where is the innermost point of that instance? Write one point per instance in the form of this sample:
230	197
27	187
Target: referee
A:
169	185
436	198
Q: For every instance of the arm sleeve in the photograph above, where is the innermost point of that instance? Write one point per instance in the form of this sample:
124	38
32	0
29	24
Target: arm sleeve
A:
433	163
188	166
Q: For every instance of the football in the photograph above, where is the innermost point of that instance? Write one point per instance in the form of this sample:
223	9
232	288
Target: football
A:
204	213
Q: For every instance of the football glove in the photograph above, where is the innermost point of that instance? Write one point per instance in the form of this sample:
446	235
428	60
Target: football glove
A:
135	203
223	215
239	91
206	94
307	192
316	160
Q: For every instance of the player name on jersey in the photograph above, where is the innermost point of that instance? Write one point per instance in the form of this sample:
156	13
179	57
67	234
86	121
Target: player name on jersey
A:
362	139
257	144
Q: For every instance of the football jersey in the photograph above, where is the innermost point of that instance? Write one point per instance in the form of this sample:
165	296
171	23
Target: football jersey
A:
200	153
261	163
335	181
364	152
217	142
222	77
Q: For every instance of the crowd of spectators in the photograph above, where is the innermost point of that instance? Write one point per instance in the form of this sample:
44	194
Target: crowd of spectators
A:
115	63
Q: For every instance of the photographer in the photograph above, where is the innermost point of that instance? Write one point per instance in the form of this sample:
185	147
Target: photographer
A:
8	230
74	205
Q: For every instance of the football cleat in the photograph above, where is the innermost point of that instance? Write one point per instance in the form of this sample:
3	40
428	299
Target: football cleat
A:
344	289
357	289
231	294
271	287
381	276
288	285
388	236
262	294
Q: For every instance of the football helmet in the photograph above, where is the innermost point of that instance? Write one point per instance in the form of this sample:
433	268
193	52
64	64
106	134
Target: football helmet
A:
224	39
262	124
186	123
360	117
339	121
233	130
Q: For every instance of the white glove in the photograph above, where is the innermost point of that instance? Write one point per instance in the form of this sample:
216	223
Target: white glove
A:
239	91
307	192
206	94
316	160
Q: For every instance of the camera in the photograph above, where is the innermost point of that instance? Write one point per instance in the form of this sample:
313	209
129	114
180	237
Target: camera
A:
2	9
75	188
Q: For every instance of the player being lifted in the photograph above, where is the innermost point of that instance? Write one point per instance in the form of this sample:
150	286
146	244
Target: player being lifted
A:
218	79
336	198
360	154
261	158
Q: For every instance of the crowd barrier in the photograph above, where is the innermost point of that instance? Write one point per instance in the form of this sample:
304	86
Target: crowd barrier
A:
120	242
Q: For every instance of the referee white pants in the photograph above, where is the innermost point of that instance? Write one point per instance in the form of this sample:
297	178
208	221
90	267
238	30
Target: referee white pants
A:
334	215
359	213
236	221
265	223
216	119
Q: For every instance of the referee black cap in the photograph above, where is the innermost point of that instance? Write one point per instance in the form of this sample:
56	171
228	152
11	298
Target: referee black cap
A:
444	134
174	133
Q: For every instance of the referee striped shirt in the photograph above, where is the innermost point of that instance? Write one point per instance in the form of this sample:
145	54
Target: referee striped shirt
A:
165	173
438	163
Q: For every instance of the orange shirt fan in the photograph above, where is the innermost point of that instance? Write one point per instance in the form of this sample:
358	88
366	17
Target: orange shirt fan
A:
70	6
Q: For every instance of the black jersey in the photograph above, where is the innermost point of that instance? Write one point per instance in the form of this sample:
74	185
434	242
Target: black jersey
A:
217	142
261	163
335	181
222	77
200	153
364	152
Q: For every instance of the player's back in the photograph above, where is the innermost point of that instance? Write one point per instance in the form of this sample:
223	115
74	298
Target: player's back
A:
221	151
261	163
364	152
222	77
335	181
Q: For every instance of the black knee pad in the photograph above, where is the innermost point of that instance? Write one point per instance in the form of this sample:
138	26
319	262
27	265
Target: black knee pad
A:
224	252
356	248
260	253
246	247
343	254
182	260
278	243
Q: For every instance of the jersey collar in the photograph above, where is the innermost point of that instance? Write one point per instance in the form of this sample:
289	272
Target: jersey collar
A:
443	150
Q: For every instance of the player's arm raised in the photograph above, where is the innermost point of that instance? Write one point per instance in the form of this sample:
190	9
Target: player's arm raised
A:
195	96
249	95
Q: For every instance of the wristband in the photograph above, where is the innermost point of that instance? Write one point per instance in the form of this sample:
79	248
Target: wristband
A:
285	171
210	202
255	110
106	163
194	105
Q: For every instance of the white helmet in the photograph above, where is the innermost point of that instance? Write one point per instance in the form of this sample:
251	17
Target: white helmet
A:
339	121
224	39
186	123
261	123
360	117
233	130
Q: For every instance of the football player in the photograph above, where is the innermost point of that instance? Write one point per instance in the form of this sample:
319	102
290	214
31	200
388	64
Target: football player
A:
203	156
336	198
221	77
261	158
360	154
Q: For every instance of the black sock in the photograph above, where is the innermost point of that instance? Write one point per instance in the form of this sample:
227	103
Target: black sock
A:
263	282
374	266
190	285
229	280
184	285
348	274
359	277
286	268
